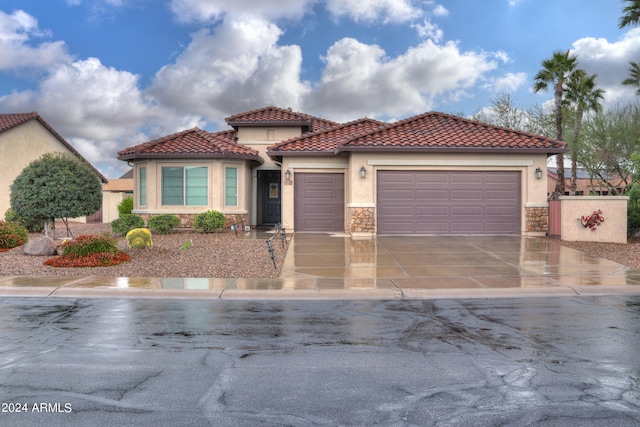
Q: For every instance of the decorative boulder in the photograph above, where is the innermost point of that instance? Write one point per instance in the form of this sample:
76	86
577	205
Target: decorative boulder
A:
40	246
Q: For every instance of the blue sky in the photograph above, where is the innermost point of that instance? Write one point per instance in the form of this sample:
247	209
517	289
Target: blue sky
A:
108	74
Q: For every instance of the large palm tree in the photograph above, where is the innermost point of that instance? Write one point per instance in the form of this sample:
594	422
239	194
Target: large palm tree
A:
631	14
584	95
555	72
634	76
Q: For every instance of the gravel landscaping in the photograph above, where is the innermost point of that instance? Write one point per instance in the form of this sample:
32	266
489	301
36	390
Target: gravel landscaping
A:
210	255
219	255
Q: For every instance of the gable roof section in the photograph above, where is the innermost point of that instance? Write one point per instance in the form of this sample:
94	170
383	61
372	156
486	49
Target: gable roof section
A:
10	121
325	142
434	131
192	143
275	116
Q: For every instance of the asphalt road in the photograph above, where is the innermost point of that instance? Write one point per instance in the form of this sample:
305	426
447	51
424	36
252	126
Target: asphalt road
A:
159	362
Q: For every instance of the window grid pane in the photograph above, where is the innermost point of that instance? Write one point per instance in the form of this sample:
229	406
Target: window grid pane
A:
142	190
172	186
231	187
196	186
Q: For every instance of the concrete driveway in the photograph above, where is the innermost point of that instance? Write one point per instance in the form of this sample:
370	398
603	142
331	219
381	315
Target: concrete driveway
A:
427	263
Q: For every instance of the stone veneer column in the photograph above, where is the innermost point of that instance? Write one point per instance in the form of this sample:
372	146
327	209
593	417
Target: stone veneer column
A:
537	219
362	220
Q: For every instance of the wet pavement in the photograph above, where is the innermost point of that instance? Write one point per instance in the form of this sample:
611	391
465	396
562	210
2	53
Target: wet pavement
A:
451	362
321	266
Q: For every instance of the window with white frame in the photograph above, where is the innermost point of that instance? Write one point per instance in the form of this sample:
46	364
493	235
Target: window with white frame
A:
185	186
142	186
231	186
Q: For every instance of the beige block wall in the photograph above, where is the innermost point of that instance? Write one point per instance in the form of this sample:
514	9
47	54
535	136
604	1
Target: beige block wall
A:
614	212
19	147
110	202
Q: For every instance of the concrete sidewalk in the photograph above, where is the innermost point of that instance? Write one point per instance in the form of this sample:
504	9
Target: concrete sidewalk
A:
322	266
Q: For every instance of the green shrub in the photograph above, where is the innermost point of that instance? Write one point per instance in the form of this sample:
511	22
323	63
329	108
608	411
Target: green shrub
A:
633	219
139	238
209	221
125	206
12	235
89	244
162	224
122	225
33	225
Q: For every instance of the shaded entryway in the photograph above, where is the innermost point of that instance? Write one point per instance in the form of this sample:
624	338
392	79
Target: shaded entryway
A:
448	202
269	195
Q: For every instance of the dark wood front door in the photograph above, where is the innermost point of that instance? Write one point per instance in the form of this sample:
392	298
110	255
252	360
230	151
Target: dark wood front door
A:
271	196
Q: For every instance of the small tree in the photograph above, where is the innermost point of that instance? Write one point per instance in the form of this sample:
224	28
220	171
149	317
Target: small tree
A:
57	185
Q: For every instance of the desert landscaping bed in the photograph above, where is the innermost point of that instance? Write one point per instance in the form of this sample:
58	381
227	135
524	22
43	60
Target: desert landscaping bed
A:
209	255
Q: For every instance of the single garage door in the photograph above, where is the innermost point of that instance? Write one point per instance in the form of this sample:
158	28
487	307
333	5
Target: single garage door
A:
319	201
448	202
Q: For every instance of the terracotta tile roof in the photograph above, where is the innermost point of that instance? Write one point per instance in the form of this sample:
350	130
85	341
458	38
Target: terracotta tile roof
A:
10	121
443	132
275	116
192	143
325	141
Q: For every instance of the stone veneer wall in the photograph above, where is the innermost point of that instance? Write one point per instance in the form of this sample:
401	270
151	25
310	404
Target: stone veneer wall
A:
537	219
186	220
362	220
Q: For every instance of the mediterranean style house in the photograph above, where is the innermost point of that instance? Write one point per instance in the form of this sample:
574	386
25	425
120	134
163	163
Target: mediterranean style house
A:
429	174
25	137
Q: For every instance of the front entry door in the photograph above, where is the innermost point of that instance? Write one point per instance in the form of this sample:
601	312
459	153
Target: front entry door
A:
271	194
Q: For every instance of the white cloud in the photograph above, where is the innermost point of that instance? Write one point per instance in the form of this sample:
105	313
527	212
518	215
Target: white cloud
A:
374	10
17	31
213	80
213	10
360	79
610	60
508	83
428	30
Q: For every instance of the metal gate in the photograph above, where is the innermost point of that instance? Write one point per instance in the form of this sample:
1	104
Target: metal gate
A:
555	218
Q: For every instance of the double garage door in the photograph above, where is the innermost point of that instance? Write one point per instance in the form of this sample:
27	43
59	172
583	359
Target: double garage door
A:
416	202
448	202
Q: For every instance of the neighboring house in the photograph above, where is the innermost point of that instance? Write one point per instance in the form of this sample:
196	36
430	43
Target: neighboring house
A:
113	193
585	184
23	139
430	174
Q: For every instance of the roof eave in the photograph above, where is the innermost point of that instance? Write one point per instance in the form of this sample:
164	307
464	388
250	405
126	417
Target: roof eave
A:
189	156
501	150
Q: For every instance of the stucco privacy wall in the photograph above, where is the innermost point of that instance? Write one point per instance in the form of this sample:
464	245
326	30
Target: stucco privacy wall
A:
614	212
360	193
19	147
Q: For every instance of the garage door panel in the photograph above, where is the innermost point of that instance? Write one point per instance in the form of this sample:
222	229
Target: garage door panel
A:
319	202
432	228
427	211
466	194
431	194
448	202
430	179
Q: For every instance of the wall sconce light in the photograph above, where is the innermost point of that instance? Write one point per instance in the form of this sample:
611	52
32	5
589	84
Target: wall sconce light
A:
363	172
538	173
287	175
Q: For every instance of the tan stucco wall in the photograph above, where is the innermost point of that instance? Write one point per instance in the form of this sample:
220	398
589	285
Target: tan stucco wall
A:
361	193
19	147
614	212
216	196
260	138
110	202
